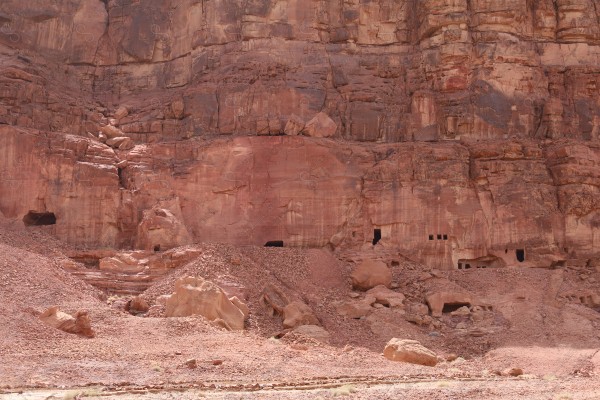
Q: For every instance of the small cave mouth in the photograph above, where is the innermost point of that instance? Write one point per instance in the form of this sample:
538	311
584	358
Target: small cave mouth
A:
122	182
520	253
451	307
157	248
376	236
33	218
274	243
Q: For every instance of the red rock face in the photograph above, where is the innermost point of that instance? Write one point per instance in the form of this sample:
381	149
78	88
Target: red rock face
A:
383	71
505	93
436	202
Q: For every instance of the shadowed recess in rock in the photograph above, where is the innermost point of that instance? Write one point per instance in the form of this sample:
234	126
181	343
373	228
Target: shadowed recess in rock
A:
274	243
39	218
451	307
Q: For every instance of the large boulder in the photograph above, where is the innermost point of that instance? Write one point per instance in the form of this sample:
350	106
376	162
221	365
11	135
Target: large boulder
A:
294	125
418	313
313	331
274	299
386	296
127	144
371	273
320	126
121	113
241	305
79	324
160	229
111	132
115	142
296	314
197	296
355	308
409	351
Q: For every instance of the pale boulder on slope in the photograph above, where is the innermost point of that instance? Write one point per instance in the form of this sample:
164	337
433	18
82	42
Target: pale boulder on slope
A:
197	296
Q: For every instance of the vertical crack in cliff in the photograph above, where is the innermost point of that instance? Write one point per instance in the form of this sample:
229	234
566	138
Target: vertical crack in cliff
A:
555	182
469	13
597	15
330	82
555	4
540	131
413	22
479	191
530	7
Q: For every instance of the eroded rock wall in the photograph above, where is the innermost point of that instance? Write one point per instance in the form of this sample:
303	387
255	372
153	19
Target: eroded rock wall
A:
384	71
434	202
464	131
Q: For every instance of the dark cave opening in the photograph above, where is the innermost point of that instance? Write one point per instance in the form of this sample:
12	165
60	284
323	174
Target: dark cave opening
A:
520	255
451	307
33	218
274	243
121	179
376	236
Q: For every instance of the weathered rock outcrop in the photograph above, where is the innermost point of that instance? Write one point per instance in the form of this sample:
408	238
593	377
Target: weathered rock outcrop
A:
370	274
382	70
160	229
438	300
297	314
504	93
197	296
126	272
79	324
523	202
387	297
410	351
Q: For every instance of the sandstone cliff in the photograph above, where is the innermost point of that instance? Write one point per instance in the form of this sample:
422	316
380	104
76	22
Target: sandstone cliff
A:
503	93
384	70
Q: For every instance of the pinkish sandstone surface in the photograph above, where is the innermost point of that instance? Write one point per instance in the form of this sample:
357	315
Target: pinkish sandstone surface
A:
444	204
146	141
503	93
